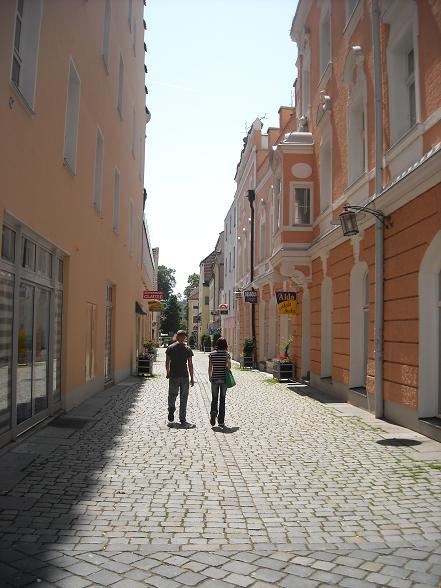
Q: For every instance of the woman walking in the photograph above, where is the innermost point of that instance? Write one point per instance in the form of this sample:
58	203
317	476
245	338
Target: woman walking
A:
219	362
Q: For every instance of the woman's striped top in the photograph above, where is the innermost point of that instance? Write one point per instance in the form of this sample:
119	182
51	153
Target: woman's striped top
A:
219	360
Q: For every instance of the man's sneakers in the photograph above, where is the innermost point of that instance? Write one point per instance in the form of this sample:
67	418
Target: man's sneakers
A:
186	425
171	417
222	425
212	420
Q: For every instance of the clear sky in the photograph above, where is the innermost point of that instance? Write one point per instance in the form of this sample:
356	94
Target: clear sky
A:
213	67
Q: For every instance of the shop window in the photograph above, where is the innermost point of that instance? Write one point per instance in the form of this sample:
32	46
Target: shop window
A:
106	33
98	179
8	244
28	254
6	323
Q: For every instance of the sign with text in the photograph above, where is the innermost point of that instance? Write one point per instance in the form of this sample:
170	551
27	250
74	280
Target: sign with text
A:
154	305
250	296
286	302
223	308
153	295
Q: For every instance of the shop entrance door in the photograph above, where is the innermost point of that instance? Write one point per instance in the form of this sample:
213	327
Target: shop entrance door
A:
33	354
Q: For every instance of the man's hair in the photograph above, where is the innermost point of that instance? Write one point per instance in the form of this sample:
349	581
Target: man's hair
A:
221	344
181	332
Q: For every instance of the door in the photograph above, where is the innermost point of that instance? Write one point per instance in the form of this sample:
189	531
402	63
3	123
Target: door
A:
33	351
108	336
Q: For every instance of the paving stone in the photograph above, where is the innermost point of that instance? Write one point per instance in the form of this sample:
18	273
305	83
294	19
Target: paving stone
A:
73	582
104	577
239	580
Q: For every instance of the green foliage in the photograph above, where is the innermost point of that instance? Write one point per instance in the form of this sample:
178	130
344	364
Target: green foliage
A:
192	282
285	346
171	317
149	345
248	347
215	338
166	280
192	341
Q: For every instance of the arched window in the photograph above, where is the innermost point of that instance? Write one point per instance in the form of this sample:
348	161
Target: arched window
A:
359	327
262	231
277	204
429	289
355	79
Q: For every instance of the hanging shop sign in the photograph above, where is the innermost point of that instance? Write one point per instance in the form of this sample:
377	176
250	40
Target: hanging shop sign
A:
223	308
286	302
250	296
153	295
154	305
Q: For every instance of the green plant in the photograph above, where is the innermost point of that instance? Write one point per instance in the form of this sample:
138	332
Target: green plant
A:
192	340
286	345
149	345
215	338
248	346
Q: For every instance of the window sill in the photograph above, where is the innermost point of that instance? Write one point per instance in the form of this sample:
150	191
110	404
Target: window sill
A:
402	142
360	390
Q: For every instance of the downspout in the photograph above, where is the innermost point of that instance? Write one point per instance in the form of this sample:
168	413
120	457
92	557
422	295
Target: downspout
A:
379	226
251	197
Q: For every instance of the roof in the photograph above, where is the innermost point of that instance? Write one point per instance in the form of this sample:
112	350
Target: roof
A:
208	266
194	294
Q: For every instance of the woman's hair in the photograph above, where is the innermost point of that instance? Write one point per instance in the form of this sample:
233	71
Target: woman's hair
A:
221	344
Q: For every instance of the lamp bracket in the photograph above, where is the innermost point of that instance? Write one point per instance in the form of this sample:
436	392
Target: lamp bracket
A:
379	214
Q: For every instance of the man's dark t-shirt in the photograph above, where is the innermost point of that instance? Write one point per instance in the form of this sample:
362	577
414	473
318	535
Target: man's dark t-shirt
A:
178	354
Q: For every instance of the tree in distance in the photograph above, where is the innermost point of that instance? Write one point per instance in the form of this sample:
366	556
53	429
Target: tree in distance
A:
192	283
166	280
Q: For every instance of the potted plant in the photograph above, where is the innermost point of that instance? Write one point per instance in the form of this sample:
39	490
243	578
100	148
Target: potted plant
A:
283	367
192	341
146	358
247	355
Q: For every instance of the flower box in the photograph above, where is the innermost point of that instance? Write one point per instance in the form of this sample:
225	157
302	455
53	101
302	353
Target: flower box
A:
247	361
145	365
283	370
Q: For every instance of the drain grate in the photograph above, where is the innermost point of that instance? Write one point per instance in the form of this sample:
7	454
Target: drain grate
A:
70	422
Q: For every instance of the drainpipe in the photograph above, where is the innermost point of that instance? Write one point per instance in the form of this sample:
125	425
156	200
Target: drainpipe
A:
379	226
251	197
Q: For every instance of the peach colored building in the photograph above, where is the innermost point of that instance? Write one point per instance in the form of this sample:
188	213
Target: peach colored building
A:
76	255
368	326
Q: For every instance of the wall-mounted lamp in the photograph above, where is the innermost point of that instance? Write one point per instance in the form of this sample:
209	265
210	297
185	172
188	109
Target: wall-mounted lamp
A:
348	218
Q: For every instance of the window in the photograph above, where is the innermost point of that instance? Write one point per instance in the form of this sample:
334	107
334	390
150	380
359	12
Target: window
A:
234	257
262	230
8	244
25	51
325	40
28	254
277	196
207	300
410	83
306	82
72	119
356	138
90	341
402	68
116	199
359	326
133	131
134	38
130	14
44	262
98	180
325	173
350	7
106	33
301	208
120	85
131	226
141	156
229	260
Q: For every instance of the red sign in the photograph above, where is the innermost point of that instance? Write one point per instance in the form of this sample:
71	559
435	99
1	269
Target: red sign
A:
153	295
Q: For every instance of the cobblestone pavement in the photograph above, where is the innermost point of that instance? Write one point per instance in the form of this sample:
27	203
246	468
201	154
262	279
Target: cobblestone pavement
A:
297	492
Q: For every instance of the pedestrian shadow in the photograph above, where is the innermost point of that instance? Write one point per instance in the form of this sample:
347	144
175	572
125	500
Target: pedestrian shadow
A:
398	442
181	426
226	430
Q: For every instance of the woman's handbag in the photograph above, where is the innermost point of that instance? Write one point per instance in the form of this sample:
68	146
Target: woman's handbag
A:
229	379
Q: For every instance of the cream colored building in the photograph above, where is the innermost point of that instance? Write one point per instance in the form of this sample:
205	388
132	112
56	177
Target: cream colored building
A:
75	254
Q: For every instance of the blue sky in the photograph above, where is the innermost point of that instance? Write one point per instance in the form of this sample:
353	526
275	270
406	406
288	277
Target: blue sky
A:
213	67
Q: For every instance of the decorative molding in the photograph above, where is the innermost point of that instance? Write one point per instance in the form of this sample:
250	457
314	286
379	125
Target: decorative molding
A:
325	106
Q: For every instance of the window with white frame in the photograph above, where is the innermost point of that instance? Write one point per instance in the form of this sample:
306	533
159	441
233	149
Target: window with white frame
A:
277	203
262	231
229	261
356	137
25	50
134	38
133	131
129	18
325	38
300	204
234	257
120	86
106	32
402	68
244	256
350	7
141	156
325	163
98	179
72	118
306	81
116	202
131	226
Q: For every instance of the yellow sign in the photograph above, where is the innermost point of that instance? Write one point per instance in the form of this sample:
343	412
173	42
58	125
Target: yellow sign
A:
154	305
286	302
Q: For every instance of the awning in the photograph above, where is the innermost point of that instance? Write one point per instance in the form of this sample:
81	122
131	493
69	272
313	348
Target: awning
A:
139	309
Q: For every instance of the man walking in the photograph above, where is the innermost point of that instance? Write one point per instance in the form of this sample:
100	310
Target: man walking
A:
178	356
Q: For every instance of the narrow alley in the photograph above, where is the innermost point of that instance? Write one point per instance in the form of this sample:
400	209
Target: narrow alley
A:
297	491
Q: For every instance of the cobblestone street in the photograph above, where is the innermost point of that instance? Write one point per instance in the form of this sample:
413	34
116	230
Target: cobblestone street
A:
297	491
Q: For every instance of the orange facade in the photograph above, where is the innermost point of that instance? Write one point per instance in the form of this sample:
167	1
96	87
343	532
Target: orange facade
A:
76	255
323	157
